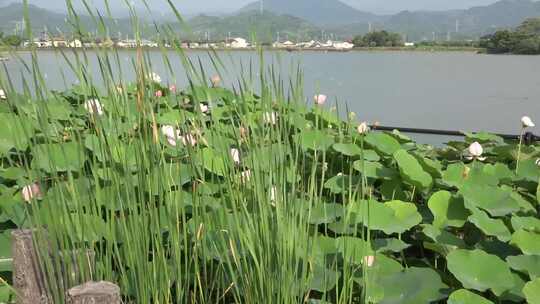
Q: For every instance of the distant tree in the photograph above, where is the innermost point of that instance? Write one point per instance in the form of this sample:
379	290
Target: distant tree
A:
499	43
12	40
530	26
378	39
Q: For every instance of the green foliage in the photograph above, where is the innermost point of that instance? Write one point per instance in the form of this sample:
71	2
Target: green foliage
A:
524	40
378	39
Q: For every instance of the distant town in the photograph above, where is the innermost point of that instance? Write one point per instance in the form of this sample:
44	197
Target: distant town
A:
233	43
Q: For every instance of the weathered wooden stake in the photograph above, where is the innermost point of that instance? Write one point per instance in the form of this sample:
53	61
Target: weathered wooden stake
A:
94	293
28	278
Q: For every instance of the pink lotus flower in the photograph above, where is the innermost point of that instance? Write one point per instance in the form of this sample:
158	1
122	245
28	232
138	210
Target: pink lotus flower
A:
159	93
172	88
235	155
216	80
369	261
31	192
2	94
93	106
320	99
270	118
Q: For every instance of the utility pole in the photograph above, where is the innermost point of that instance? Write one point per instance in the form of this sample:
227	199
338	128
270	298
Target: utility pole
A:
370	26
457	26
261	2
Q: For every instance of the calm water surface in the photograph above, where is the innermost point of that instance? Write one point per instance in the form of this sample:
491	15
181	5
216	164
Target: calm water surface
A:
461	91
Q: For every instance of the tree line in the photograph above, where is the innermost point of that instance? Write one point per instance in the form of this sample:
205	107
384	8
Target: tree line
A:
378	39
523	40
10	40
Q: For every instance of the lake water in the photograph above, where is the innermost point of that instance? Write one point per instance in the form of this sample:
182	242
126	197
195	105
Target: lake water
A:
459	91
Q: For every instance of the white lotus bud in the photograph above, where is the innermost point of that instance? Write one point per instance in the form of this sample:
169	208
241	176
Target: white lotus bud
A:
363	128
2	94
527	122
476	150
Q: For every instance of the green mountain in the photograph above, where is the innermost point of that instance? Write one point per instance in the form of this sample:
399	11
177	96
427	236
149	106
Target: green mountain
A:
319	12
266	26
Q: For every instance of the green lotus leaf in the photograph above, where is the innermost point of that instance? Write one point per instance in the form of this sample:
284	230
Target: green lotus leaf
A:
5	251
213	162
15	134
500	171
528	242
374	170
481	271
58	157
528	170
323	279
411	170
389	245
531	224
392	189
57	109
524	205
448	210
532	291
391	217
529	264
493	227
496	201
347	149
342	183
6	293
353	249
456	175
325	213
516	293
404	287
433	167
463	296
483	137
382	143
315	140
445	241
354	150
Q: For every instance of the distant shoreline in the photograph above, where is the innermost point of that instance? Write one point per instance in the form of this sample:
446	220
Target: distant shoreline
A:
6	51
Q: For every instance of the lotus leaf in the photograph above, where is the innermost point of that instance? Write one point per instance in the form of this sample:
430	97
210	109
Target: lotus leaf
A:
532	291
374	170
493	227
528	242
411	170
325	213
411	286
481	271
391	217
448	210
463	296
531	224
315	140
58	157
14	135
529	264
496	201
382	143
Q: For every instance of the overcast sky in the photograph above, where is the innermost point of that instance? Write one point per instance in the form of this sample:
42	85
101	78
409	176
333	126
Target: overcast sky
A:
215	6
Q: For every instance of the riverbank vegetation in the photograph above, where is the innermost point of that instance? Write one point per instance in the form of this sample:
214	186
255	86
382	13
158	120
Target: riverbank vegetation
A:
248	191
523	40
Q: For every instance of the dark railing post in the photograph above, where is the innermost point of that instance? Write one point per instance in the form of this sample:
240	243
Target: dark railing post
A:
94	293
28	278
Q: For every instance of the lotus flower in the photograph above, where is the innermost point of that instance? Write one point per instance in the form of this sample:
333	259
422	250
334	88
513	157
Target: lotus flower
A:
245	176
2	94
270	118
363	128
154	77
538	162
235	155
273	194
216	80
527	122
159	93
93	106
204	108
476	151
188	139
31	192
369	261
172	88
320	99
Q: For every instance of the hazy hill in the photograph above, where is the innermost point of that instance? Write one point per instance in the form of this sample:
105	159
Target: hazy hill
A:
246	23
318	12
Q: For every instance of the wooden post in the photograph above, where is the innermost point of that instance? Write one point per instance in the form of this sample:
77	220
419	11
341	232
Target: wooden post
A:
28	278
94	293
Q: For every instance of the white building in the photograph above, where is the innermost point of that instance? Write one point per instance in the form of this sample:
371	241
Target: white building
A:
343	45
239	43
75	44
409	44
